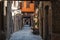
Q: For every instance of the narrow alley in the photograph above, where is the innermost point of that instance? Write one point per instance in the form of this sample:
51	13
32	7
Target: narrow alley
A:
25	34
29	20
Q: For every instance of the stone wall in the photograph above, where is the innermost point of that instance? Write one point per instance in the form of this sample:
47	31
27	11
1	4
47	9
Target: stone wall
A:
45	20
56	16
56	20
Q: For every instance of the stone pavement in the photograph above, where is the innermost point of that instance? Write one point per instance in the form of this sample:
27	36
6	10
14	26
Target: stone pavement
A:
25	34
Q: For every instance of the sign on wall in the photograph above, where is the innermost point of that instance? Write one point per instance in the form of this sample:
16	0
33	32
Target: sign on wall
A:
27	6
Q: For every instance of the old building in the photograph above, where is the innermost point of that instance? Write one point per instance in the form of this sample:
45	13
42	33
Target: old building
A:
49	20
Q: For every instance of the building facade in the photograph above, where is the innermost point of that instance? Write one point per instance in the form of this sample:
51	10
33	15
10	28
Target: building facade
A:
49	20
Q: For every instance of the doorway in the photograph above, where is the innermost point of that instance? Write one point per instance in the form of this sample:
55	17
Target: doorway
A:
27	21
46	23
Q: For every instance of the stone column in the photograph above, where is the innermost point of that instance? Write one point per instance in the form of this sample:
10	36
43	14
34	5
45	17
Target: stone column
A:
9	20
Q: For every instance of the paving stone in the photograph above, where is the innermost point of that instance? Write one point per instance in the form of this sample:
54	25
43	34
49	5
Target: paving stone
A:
25	34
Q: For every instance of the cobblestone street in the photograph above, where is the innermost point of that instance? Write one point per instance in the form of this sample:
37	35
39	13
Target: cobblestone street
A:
25	34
